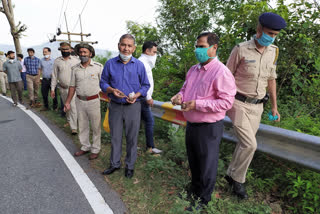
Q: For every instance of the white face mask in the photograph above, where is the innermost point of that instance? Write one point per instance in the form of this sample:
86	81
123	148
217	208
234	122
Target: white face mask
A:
152	60
125	58
11	60
2	57
46	56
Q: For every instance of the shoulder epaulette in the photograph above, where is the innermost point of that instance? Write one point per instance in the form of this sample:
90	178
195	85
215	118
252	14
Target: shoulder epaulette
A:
276	57
97	63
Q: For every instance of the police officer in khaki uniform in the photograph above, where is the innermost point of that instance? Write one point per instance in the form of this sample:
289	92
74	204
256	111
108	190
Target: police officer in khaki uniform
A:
61	76
85	79
3	76
253	64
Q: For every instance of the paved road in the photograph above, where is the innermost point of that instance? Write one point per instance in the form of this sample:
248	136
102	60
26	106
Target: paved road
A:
33	176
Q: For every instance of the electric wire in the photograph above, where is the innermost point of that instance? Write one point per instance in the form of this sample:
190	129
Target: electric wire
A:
80	16
60	14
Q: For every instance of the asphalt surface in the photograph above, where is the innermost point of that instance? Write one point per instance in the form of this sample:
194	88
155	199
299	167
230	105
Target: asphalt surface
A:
33	177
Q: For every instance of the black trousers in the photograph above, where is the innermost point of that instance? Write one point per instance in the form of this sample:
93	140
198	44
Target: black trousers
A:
202	143
45	89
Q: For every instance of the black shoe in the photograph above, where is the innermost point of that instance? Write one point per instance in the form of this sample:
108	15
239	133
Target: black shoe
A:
198	207
240	190
229	179
128	173
110	170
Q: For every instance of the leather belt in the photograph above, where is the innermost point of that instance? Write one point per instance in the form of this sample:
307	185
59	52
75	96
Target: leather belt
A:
84	98
245	99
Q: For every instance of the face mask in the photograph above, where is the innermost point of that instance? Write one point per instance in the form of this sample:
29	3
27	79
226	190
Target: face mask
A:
11	60
46	56
151	59
202	54
65	54
2	57
265	40
84	59
125	58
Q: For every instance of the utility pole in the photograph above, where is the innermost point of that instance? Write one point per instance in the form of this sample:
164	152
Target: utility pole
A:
59	32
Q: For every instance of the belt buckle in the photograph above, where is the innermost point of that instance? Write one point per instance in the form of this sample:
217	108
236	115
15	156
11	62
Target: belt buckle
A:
251	100
83	97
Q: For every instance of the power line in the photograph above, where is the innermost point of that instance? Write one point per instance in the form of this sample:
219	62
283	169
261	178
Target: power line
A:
66	6
80	16
60	13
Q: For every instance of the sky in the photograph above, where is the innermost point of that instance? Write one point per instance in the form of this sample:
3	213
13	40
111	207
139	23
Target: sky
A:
104	19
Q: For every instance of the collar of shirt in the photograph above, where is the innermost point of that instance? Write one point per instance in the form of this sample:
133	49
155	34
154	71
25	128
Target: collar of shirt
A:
61	58
46	59
207	66
252	45
91	64
31	58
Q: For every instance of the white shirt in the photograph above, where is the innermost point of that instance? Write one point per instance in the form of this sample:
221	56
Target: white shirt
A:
148	66
23	66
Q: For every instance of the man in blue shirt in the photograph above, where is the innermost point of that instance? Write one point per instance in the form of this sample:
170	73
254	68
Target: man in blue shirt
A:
125	81
46	68
32	64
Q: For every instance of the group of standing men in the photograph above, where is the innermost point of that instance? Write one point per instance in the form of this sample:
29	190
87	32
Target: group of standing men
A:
211	90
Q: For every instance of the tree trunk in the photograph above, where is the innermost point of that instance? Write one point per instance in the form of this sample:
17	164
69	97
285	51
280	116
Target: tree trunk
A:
8	11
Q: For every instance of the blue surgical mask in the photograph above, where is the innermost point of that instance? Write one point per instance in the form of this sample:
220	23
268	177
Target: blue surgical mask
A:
202	54
265	40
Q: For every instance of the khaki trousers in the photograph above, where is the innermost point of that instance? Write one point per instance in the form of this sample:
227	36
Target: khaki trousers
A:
33	83
16	87
89	115
4	82
72	115
246	120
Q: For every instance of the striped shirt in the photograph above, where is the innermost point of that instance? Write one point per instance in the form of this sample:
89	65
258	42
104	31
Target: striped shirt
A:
32	65
213	88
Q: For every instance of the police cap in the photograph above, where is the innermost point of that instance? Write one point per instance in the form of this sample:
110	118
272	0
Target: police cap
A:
272	21
1	53
84	45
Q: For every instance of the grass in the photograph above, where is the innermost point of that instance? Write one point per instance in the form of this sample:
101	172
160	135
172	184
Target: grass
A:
158	179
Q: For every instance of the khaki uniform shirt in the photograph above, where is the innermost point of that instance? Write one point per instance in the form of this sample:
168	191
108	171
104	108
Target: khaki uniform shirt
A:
62	71
86	80
252	73
1	65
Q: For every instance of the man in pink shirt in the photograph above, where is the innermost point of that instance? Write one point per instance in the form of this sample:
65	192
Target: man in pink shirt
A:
205	96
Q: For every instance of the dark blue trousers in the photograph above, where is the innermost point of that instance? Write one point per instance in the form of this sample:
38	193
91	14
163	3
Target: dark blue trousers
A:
45	90
202	143
24	79
147	117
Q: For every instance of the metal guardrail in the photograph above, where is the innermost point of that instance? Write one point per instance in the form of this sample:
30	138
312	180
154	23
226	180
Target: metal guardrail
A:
293	146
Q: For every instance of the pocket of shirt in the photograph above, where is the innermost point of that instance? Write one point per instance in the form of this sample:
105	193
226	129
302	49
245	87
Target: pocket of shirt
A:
251	69
93	76
204	87
79	77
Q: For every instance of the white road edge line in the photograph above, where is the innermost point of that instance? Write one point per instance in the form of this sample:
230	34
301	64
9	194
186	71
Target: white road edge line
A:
92	194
